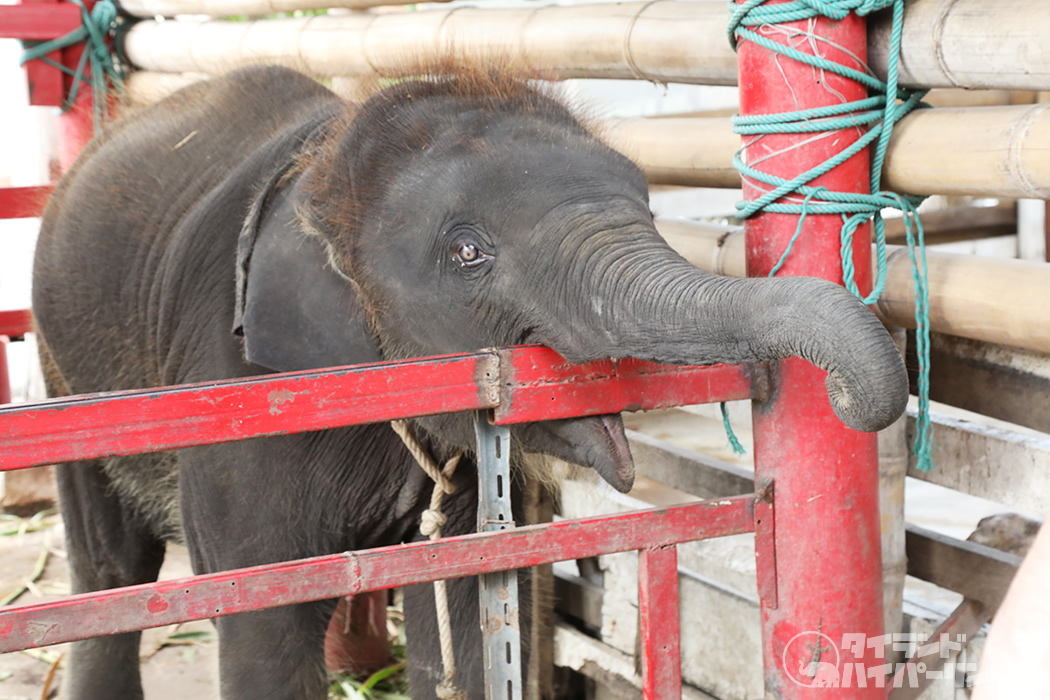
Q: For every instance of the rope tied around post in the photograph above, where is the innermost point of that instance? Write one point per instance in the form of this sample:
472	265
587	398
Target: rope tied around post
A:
106	67
875	117
431	523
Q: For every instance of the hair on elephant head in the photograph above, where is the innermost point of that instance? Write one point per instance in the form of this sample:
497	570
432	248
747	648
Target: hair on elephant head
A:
448	213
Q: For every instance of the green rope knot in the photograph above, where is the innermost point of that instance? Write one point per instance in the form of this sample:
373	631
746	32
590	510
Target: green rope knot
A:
106	66
734	442
876	116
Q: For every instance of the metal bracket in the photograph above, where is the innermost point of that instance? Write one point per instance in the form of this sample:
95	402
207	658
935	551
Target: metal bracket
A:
765	544
500	631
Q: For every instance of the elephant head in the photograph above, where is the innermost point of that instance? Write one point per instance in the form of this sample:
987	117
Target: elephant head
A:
475	211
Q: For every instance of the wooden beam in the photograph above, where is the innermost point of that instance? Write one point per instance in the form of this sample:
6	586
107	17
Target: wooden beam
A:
977	572
1004	466
996	381
965	223
685	470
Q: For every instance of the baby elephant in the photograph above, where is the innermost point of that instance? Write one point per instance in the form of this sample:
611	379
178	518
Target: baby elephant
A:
256	223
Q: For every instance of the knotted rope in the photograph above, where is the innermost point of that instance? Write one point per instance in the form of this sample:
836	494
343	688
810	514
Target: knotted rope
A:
431	523
878	113
97	25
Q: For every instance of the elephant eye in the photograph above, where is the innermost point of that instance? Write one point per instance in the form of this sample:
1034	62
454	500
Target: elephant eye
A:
469	255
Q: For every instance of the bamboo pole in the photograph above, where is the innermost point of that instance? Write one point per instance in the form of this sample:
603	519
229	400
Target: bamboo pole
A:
996	151
143	88
985	151
678	151
251	8
962	43
947	43
990	299
663	41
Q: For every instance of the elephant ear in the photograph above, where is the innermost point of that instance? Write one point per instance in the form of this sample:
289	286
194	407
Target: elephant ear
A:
294	309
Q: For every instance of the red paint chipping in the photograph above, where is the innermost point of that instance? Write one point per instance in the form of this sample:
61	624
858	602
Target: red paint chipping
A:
826	575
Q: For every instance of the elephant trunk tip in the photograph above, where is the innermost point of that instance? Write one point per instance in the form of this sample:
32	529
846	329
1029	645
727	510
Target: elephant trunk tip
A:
864	411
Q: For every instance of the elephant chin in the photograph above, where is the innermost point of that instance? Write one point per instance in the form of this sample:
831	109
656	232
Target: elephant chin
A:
597	442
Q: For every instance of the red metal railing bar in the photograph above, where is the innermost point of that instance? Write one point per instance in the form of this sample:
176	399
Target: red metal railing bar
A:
658	618
16	322
38	22
23	202
257	588
151	420
122	423
536	383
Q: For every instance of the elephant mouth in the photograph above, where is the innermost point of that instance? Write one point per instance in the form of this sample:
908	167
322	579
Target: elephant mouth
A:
598	442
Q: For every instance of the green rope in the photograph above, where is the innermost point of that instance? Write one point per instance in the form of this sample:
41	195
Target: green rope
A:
734	442
106	68
878	114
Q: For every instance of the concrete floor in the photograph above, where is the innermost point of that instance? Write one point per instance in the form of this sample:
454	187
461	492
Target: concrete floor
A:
176	671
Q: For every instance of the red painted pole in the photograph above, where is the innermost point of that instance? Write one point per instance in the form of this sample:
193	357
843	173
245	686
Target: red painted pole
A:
75	127
825	475
658	618
5	376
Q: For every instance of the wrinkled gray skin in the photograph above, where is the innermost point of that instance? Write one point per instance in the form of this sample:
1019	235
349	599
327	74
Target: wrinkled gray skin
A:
461	214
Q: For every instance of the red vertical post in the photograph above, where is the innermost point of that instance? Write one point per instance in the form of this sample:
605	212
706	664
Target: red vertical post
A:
5	376
658	613
825	475
75	128
76	125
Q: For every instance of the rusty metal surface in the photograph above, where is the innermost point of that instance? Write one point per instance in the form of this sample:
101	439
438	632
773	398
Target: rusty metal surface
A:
538	384
150	420
257	588
658	623
766	544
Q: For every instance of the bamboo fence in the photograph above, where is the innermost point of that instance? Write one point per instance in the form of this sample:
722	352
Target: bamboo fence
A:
981	151
964	43
250	8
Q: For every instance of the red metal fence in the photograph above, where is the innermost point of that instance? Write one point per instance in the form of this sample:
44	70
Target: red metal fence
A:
516	384
817	569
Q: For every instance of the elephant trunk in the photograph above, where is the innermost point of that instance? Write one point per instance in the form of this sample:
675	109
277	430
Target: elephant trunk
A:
672	313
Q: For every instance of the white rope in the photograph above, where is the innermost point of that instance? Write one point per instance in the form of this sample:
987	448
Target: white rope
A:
432	521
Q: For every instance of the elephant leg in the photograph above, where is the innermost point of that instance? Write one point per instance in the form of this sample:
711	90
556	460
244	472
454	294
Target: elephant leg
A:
424	648
247	504
275	654
108	546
